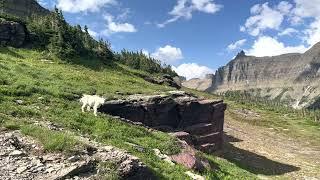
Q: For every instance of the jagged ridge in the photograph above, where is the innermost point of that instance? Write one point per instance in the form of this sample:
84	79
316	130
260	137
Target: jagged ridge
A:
293	78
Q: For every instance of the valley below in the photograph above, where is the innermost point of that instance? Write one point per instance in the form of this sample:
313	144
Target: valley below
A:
270	154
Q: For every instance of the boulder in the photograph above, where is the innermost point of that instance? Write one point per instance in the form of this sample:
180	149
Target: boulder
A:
177	111
184	136
73	170
189	161
12	33
165	79
179	80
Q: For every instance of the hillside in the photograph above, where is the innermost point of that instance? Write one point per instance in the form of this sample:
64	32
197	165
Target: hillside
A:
290	78
34	88
146	128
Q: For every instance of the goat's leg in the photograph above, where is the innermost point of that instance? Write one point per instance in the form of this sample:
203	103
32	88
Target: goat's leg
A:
95	110
88	108
83	106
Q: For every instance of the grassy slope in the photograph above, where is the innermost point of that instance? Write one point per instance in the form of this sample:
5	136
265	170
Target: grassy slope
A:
50	91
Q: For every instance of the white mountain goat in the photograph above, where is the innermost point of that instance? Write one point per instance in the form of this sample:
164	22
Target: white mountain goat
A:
91	101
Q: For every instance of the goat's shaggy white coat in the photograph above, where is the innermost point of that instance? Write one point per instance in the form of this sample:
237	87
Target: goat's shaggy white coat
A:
91	101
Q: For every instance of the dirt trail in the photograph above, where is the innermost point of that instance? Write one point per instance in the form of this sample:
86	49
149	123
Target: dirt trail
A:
268	154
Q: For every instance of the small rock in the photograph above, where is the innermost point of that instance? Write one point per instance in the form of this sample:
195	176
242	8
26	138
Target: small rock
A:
82	167
74	158
108	148
20	102
164	157
184	136
41	168
48	158
21	169
50	170
16	153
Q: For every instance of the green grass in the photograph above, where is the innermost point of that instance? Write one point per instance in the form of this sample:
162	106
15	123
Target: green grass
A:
52	141
286	122
50	89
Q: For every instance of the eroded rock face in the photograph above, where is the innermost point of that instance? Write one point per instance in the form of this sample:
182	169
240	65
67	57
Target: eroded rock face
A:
12	33
22	8
175	111
164	80
291	78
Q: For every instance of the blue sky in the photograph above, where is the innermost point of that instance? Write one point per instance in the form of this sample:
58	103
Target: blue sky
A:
198	36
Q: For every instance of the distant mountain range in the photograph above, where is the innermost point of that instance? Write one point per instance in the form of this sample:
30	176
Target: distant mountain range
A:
291	78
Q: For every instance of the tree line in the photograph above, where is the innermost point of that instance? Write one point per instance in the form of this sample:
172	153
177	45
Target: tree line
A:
274	105
52	33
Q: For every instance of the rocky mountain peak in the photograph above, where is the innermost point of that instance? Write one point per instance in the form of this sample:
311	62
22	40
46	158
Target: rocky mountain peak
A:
22	8
291	78
241	54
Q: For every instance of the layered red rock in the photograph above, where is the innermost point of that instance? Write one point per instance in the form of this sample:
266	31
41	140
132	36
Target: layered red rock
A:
178	111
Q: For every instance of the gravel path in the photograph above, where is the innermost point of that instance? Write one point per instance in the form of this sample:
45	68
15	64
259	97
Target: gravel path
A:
268	154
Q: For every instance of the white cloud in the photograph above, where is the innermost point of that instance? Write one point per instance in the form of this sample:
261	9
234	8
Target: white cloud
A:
42	2
121	27
237	44
185	8
117	27
145	52
75	6
168	54
93	33
207	6
284	7
287	32
301	17
307	8
265	17
313	33
268	46
192	70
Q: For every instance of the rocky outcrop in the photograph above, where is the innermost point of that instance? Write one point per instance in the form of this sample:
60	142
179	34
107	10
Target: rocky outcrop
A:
12	33
164	80
175	111
290	78
22	8
23	158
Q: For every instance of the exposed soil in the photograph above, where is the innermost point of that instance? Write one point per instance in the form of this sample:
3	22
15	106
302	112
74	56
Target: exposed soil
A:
268	154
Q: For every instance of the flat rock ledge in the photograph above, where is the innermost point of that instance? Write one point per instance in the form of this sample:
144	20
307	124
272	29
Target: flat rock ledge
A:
23	158
199	121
